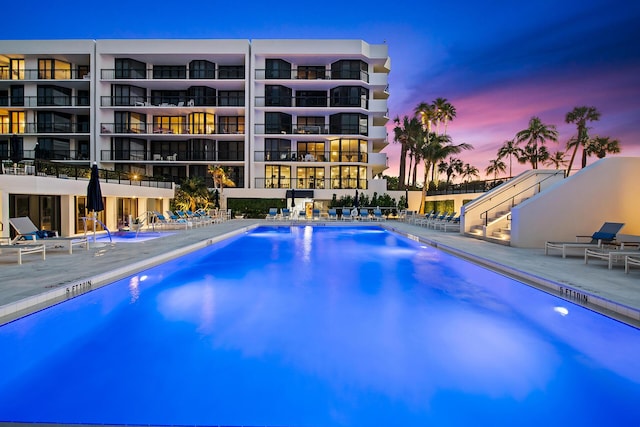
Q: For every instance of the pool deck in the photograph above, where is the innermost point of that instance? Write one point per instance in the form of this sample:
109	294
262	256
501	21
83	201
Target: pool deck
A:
38	283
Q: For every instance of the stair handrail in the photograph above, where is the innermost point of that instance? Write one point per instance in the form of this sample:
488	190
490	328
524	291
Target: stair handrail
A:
485	215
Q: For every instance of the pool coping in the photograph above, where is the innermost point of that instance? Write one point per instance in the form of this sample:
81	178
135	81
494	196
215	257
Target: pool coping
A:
63	292
604	306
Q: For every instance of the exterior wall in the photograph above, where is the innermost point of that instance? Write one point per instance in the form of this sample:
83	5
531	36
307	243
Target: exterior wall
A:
606	191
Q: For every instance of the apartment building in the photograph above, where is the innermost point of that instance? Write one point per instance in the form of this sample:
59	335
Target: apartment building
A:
275	114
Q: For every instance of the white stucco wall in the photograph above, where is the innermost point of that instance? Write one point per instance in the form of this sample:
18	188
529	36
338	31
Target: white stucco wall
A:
607	191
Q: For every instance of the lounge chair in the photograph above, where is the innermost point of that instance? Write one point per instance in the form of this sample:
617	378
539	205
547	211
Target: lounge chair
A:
364	214
27	233
346	214
285	214
606	235
378	216
272	215
23	249
629	261
609	255
333	214
315	214
176	218
162	221
436	223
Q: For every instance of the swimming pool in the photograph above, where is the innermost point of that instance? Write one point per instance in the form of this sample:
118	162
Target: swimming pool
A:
131	236
324	326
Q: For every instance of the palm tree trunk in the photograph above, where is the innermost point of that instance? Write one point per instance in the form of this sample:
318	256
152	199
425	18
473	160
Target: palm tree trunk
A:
573	156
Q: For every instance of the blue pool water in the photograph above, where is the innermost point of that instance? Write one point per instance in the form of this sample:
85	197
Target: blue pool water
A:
326	326
131	236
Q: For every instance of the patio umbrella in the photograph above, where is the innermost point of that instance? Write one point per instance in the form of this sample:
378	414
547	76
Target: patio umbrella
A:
293	198
216	199
16	149
94	193
356	203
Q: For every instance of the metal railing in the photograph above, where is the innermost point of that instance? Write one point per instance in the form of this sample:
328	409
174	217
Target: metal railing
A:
235	73
170	156
314	156
466	187
171	129
311	74
311	101
48	128
45	101
311	183
285	129
35	74
172	102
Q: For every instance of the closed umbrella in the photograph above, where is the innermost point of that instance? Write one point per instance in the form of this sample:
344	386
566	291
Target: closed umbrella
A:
356	203
94	198
293	198
16	149
216	199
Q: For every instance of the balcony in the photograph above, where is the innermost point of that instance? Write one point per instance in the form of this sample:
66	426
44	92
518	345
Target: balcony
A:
171	102
35	74
182	74
283	129
320	157
44	101
49	128
157	156
305	74
311	183
170	129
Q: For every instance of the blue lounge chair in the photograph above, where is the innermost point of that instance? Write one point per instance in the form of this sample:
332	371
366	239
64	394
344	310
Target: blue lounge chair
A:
273	214
285	214
364	214
605	236
378	216
333	214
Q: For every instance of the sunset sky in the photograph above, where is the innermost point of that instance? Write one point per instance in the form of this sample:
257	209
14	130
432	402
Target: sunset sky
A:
498	62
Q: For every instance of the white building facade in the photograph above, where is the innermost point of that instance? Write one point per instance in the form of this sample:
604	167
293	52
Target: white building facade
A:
277	115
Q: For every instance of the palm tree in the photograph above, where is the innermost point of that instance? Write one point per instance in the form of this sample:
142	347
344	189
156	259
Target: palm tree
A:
469	171
557	159
220	177
580	116
192	194
509	149
444	112
535	136
495	167
600	147
426	113
454	166
406	132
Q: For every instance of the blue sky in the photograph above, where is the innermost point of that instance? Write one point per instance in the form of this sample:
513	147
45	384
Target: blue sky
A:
498	62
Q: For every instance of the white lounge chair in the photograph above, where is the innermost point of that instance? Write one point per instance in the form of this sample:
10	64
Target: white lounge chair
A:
28	233
606	235
609	255
23	249
629	261
273	214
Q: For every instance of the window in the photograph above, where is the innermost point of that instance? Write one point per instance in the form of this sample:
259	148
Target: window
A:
17	95
53	69
52	122
172	173
277	122
167	97
128	122
127	95
201	69
311	98
169	72
310	177
54	149
231	150
82	124
130	69
311	151
231	72
310	124
350	70
16	69
349	177
277	149
276	95
277	69
231	124
231	98
277	176
202	149
349	96
349	150
128	149
169	124
201	123
201	96
83	98
4	149
53	96
349	123
312	72
17	122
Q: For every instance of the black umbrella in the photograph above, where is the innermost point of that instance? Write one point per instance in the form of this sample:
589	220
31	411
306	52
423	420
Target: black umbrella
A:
356	203
293	198
406	198
94	193
216	199
16	149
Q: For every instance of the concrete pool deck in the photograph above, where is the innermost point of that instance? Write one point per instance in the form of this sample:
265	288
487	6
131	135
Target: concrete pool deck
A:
37	283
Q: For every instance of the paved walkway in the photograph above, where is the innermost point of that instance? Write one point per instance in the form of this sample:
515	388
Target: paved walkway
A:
37	283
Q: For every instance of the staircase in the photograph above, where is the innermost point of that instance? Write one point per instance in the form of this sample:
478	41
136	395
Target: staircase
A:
489	216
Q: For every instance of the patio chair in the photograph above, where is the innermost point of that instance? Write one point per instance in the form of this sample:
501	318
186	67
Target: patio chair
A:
273	214
285	214
333	214
378	216
315	214
609	255
27	232
631	261
346	214
364	214
23	249
606	235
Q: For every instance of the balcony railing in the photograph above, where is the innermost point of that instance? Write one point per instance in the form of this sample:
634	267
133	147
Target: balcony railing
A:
67	171
312	102
328	156
170	156
171	102
40	128
306	74
312	183
181	74
35	74
310	129
155	129
44	101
